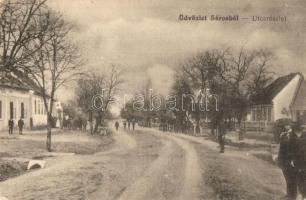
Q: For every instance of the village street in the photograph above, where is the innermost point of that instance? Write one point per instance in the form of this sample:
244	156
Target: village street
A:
149	164
152	100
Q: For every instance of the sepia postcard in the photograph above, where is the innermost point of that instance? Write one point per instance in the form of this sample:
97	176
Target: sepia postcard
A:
152	100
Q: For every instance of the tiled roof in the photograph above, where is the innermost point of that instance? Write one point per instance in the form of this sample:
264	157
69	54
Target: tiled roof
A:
9	81
268	93
20	82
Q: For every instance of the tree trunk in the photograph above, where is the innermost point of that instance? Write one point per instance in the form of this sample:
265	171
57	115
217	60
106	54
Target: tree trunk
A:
91	127
241	131
49	127
198	120
198	129
91	122
149	122
98	123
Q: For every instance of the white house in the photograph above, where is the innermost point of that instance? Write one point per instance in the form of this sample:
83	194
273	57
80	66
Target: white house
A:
284	98
17	101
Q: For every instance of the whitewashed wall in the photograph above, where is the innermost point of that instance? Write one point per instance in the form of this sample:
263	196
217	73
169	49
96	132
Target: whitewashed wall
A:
283	100
17	97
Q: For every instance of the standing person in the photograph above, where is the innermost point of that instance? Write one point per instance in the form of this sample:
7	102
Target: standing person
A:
300	163
84	125
11	126
221	136
124	125
133	124
129	124
286	157
58	123
117	125
31	123
20	125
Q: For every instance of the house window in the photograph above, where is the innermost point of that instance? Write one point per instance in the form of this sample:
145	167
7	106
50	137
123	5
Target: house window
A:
269	114
264	113
0	109
298	115
22	110
11	110
35	107
41	108
253	114
38	107
258	114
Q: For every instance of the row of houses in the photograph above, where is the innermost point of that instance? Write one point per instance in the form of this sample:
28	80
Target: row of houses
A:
18	100
283	98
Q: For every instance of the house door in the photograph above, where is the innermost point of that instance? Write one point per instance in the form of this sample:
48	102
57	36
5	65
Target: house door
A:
11	110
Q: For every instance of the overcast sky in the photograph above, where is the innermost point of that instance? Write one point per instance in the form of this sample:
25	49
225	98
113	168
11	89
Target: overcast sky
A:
147	38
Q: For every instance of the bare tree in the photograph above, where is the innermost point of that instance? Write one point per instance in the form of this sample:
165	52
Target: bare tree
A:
181	89
260	75
88	86
55	63
19	29
235	72
231	76
245	73
201	70
112	82
96	91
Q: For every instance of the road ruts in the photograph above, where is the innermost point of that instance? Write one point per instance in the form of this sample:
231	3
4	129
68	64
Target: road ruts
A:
186	170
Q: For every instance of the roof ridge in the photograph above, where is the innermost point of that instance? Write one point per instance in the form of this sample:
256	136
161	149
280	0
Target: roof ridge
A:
12	80
268	93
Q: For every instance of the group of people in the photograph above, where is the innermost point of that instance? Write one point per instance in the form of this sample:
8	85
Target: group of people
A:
292	161
128	123
11	126
68	122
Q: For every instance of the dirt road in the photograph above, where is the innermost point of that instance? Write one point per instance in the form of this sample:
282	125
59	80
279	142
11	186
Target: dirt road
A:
148	164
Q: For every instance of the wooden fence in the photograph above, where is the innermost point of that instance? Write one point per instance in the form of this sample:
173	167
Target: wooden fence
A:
257	126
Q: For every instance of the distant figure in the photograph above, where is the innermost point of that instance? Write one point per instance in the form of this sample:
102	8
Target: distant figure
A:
11	126
221	136
117	125
69	123
84	125
20	125
124	125
31	123
129	124
133	124
286	157
58	123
